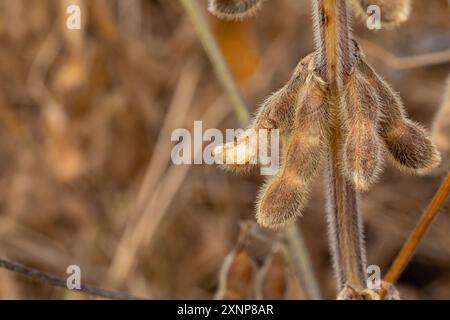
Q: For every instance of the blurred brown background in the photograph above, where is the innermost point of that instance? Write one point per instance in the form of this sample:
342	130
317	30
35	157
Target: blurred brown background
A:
85	124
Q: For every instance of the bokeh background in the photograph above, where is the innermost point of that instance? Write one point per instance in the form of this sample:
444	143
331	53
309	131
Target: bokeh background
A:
85	124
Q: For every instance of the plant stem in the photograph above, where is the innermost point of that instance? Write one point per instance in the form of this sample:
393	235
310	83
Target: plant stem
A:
334	61
419	231
217	60
294	237
303	267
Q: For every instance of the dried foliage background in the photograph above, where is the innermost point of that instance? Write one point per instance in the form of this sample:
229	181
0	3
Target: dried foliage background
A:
82	114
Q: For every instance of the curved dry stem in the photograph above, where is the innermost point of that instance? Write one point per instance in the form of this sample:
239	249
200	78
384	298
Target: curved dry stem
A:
217	59
56	281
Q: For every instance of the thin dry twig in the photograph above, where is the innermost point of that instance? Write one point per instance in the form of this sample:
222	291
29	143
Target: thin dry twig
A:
212	49
53	280
417	234
298	251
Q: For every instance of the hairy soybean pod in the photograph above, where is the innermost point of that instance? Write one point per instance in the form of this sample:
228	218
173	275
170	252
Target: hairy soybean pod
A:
278	111
284	196
409	146
362	153
234	9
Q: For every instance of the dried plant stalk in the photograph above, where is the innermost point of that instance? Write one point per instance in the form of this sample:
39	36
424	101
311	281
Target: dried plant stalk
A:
335	59
217	59
297	250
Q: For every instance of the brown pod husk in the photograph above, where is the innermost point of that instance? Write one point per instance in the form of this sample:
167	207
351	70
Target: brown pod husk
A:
409	146
362	153
272	281
440	133
237	274
392	12
284	196
234	9
277	112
